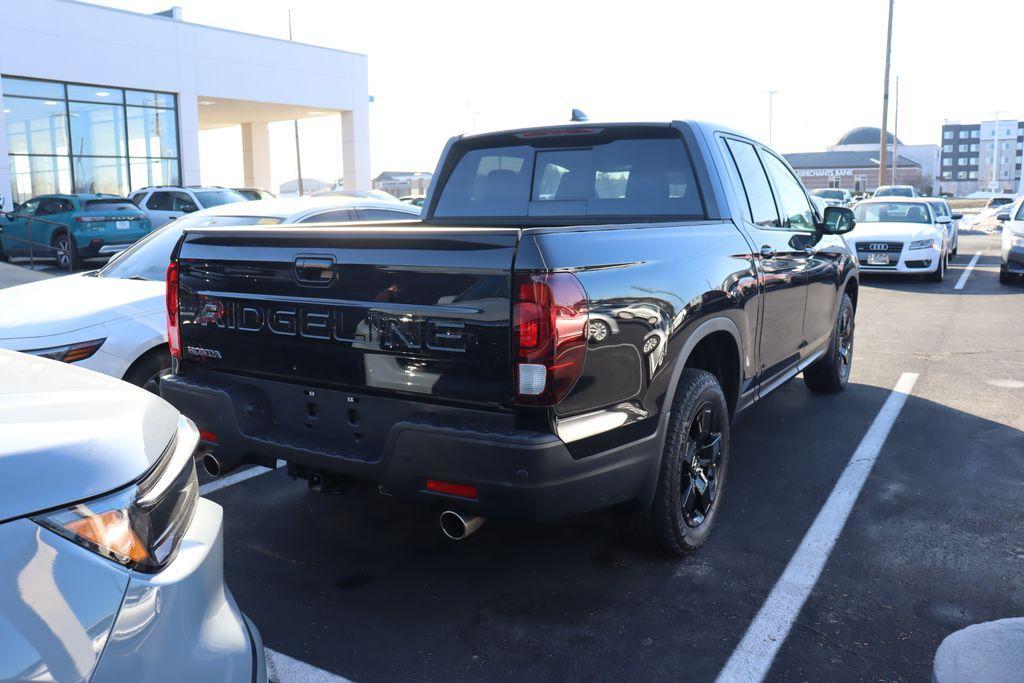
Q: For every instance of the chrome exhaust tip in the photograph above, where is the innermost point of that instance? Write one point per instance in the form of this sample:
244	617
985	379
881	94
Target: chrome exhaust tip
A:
212	465
457	526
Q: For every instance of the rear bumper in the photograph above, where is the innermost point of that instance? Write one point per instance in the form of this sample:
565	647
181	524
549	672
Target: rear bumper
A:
89	247
518	474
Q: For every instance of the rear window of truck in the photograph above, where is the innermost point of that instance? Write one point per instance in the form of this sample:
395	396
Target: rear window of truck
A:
611	178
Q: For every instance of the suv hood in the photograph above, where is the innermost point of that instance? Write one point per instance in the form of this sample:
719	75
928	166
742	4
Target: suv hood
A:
65	304
71	434
902	232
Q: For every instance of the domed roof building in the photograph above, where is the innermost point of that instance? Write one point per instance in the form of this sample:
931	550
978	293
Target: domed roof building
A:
852	163
864	135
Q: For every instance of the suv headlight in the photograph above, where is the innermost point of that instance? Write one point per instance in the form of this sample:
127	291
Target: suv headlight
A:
1016	241
923	244
69	353
141	525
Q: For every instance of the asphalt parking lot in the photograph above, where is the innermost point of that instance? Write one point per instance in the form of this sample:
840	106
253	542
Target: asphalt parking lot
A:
365	587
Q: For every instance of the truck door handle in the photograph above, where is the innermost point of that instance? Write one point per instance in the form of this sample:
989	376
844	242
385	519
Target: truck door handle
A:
767	251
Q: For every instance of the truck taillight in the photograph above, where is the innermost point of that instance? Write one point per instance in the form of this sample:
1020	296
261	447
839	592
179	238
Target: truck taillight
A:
173	327
549	327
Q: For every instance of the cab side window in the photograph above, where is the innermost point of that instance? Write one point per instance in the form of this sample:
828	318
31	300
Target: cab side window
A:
755	184
159	201
338	216
797	210
184	203
27	209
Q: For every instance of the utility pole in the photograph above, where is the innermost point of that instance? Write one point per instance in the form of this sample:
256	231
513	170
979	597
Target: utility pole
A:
883	142
298	153
896	131
771	97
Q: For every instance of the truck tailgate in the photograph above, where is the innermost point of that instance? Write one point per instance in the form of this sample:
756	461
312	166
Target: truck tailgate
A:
405	310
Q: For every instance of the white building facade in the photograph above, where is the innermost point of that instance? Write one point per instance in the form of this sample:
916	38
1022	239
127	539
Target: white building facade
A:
103	100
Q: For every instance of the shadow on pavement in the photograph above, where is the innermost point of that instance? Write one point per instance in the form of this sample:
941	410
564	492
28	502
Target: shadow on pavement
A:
368	588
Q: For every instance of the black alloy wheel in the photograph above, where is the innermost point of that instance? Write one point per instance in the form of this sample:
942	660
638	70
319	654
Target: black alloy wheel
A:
699	480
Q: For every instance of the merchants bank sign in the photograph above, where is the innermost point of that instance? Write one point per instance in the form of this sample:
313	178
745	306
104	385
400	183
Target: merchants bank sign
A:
811	172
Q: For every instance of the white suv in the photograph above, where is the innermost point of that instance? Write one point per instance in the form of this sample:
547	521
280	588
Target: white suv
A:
165	203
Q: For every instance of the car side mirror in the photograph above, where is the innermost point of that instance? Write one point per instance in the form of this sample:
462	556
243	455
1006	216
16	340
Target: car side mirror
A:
838	220
943	219
1	202
1005	216
957	216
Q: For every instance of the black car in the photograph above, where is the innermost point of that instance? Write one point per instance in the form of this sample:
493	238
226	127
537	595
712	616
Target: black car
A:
452	360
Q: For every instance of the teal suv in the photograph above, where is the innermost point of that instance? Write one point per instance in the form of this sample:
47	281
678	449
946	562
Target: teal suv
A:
72	227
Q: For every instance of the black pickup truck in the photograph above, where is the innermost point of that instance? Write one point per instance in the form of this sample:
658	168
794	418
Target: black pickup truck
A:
574	324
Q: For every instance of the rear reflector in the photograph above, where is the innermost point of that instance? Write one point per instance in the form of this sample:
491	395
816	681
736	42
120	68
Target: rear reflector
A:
549	319
208	437
451	489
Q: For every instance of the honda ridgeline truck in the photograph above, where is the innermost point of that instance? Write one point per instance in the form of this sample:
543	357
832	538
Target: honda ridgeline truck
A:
574	324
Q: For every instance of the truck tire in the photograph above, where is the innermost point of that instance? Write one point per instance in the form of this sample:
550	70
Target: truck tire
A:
693	469
65	251
1005	278
830	374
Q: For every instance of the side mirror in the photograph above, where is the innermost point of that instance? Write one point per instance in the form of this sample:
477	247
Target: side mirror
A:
1	202
943	219
838	220
957	216
1005	216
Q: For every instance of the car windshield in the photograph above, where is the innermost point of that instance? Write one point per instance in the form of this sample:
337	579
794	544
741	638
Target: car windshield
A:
891	212
210	198
147	259
829	194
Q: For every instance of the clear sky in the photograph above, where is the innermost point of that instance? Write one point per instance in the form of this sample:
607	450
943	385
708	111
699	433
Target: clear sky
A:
441	68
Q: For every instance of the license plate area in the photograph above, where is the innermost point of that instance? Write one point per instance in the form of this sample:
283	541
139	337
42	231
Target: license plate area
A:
122	225
878	259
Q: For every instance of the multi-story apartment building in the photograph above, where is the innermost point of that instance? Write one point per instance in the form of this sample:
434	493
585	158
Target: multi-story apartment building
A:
981	156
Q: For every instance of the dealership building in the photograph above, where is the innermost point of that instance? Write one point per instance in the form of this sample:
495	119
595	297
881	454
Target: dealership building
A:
104	100
852	163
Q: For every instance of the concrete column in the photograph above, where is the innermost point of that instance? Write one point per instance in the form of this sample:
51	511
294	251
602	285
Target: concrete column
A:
188	137
355	149
256	154
5	161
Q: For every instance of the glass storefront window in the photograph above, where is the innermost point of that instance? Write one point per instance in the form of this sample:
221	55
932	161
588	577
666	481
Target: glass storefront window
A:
30	88
150	172
35	126
65	137
152	132
96	93
149	99
97	129
32	176
101	175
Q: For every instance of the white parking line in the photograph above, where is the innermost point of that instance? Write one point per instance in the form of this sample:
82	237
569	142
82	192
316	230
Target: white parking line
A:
967	271
754	655
283	669
218	484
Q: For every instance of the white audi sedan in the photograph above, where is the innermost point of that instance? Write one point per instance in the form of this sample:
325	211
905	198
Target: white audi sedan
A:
112	320
900	235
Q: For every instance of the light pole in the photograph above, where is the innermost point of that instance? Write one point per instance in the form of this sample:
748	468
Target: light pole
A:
771	100
883	142
298	153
